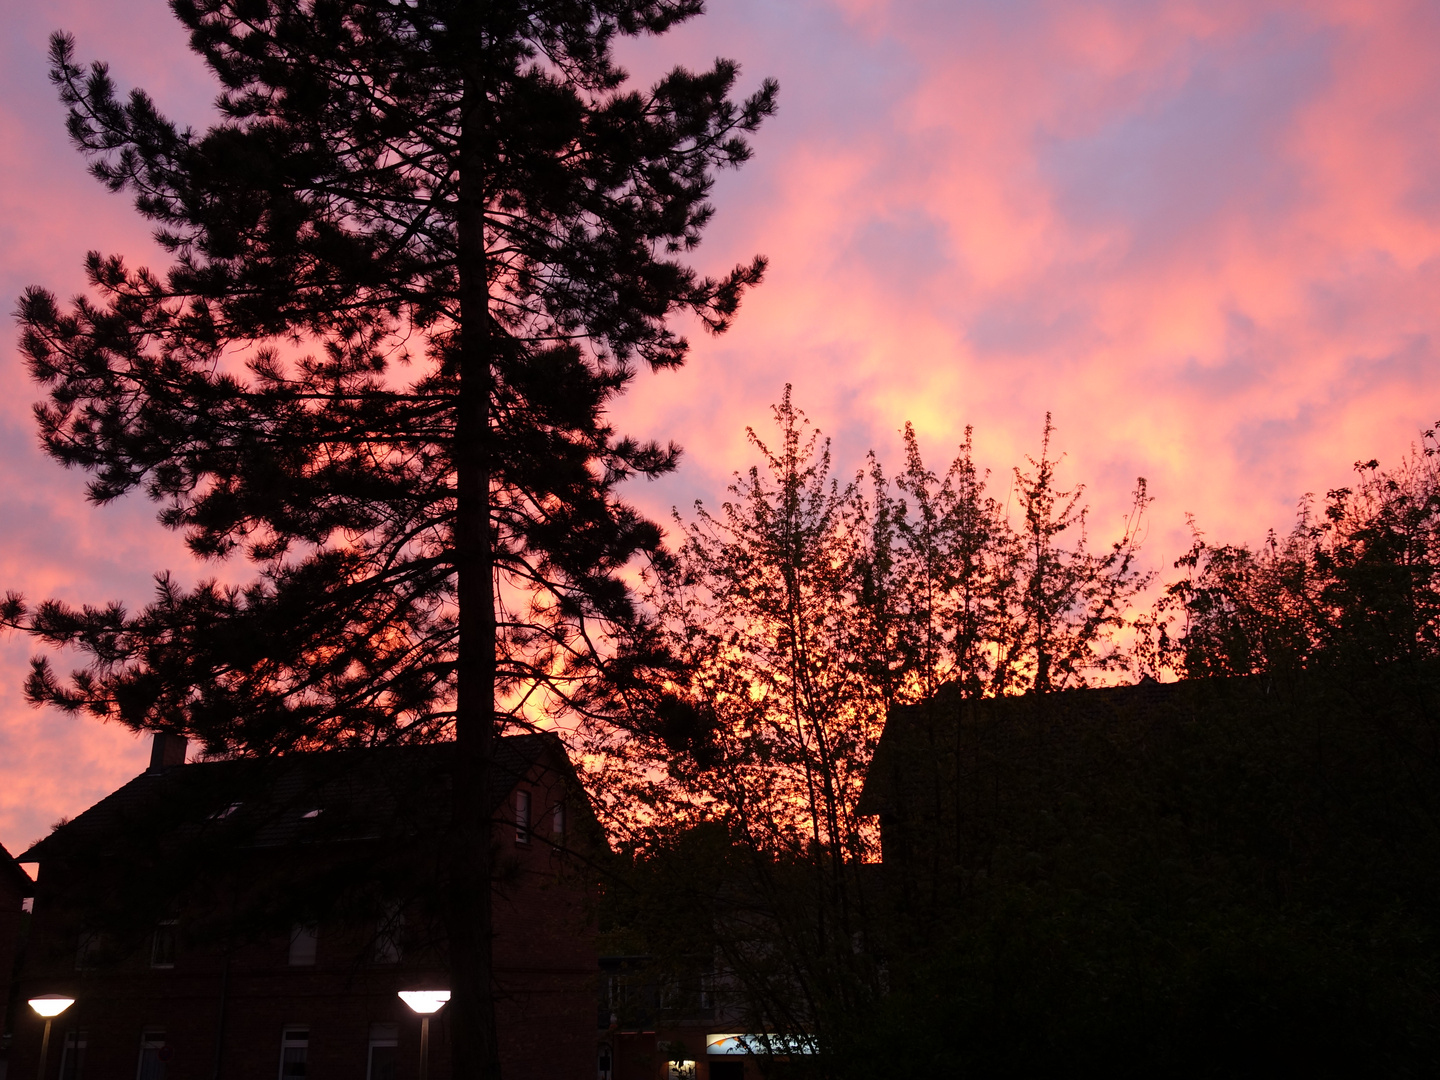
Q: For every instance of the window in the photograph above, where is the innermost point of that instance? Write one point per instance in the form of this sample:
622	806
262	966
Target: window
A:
162	949
304	940
557	824
388	935
522	817
72	1057
727	1070
153	1055
384	1052
221	815
87	950
294	1049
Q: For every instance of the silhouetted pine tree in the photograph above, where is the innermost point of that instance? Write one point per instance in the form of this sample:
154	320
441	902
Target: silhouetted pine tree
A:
420	253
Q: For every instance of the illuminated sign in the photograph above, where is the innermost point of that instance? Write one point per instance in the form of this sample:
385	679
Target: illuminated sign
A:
732	1045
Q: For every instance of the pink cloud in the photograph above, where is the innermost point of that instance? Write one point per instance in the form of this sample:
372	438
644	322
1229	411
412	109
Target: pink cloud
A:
1206	235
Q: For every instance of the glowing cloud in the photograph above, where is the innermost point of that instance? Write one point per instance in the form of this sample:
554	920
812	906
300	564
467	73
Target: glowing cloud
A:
1206	235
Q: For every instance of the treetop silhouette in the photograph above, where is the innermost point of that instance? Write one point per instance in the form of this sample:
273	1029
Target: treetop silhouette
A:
421	252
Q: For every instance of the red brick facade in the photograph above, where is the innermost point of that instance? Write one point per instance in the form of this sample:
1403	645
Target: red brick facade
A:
14	887
232	1001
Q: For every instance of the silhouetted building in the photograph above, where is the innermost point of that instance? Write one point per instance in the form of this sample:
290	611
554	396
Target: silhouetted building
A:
669	1026
256	917
1210	877
962	786
14	888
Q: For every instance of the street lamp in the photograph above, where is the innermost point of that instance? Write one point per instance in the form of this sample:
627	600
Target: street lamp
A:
426	1003
49	1006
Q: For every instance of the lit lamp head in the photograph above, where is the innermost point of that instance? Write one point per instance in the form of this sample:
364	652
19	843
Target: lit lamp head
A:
48	1005
425	1002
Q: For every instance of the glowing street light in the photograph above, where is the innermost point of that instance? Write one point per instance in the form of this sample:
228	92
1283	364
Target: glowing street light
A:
426	1003
49	1006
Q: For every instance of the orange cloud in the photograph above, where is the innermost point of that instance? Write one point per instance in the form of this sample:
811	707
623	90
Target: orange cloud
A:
1204	233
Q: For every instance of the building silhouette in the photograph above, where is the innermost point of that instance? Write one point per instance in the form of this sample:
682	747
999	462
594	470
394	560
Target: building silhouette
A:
244	918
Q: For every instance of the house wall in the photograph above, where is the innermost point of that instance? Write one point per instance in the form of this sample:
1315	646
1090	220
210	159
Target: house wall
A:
642	1055
11	919
544	957
12	902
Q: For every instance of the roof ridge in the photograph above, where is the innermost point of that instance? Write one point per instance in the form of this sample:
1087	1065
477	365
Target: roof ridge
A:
276	780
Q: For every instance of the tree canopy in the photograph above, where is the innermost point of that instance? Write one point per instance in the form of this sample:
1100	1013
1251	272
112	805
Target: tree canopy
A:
290	388
1352	584
424	247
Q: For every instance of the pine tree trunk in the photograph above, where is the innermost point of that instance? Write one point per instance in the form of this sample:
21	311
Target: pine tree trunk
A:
470	930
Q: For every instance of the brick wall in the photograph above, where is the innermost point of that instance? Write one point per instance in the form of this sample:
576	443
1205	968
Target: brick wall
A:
545	961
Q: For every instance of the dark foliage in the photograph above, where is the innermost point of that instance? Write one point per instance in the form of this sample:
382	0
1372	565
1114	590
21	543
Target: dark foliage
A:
422	250
1352	585
289	389
1218	878
804	608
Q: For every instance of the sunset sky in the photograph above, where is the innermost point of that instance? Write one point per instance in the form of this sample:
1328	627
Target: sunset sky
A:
1205	235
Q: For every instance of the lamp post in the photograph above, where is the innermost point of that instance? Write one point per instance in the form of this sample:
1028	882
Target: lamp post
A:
49	1006
426	1003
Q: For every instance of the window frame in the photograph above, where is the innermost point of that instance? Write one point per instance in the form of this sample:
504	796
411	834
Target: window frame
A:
389	936
298	932
72	1054
289	1042
383	1036
88	948
151	1038
523	803
173	927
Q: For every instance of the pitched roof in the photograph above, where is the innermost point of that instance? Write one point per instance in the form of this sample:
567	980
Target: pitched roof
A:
1104	728
908	728
335	795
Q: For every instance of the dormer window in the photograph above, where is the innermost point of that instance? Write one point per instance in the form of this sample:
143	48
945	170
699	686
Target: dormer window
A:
388	935
162	946
304	944
522	817
87	951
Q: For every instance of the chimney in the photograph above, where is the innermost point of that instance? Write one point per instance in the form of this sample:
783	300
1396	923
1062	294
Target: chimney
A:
167	750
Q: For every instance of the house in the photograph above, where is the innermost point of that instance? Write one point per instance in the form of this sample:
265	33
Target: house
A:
964	785
1212	877
668	1027
14	888
257	917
